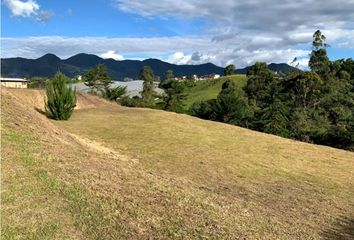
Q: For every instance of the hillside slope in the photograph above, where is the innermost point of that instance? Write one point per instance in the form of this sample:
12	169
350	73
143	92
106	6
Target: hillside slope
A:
112	172
209	89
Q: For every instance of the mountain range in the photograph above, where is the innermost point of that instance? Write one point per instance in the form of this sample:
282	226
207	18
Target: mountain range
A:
49	64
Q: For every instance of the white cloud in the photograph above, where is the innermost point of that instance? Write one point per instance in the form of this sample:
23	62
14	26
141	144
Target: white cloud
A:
22	9
249	14
179	58
278	22
179	50
112	54
304	63
28	8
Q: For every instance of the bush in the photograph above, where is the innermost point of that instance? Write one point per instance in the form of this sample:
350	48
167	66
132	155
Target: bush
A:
115	93
204	109
61	99
173	97
37	82
131	101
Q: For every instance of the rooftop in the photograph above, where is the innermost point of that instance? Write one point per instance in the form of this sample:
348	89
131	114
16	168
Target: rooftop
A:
13	79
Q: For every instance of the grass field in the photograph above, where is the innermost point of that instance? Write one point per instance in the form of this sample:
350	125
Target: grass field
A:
209	89
118	173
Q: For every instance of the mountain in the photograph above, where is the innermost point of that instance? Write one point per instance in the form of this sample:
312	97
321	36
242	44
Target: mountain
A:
280	68
49	64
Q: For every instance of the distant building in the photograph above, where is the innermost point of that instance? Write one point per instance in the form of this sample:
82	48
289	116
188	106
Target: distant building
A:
14	82
216	76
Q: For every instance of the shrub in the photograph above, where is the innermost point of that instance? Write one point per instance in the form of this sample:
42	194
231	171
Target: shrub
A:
37	82
115	93
204	109
174	96
61	99
131	101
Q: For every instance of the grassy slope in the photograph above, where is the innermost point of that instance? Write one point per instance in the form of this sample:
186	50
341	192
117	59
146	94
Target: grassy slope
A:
209	89
147	173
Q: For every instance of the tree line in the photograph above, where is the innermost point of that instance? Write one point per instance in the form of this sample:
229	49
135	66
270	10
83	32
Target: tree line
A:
315	106
61	99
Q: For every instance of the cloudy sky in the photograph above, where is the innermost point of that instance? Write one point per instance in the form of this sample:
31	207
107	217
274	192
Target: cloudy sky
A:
178	31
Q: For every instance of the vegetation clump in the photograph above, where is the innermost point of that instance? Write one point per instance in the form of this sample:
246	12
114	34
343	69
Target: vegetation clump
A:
229	70
100	83
60	98
147	94
174	94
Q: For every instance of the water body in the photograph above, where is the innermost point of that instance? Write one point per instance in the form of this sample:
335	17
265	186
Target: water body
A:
133	87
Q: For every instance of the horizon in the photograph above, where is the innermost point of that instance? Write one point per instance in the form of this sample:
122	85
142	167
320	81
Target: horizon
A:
142	60
182	32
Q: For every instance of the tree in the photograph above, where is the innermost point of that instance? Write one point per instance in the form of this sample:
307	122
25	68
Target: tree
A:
229	70
147	75
204	109
260	79
309	125
304	90
98	80
274	118
60	99
38	82
232	105
174	96
319	61
115	93
169	75
166	81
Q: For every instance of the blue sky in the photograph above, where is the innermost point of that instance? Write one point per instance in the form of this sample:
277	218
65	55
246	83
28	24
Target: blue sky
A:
179	31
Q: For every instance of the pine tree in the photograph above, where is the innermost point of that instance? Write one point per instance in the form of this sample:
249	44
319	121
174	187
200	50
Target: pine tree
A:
147	75
98	80
174	96
232	105
60	99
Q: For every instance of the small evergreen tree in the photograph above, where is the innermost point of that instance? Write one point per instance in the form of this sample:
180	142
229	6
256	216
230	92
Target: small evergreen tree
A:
115	93
204	109
60	99
232	105
98	80
274	118
174	96
147	75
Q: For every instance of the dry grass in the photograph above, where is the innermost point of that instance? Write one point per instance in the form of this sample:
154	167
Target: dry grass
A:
117	172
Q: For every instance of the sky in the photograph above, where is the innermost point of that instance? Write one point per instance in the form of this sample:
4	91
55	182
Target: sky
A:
238	32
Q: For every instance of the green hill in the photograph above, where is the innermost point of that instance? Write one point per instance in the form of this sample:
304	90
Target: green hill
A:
127	173
209	89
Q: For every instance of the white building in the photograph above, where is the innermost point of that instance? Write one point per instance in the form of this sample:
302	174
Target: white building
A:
14	82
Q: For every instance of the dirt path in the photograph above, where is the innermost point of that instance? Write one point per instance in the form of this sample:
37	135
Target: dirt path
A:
100	148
